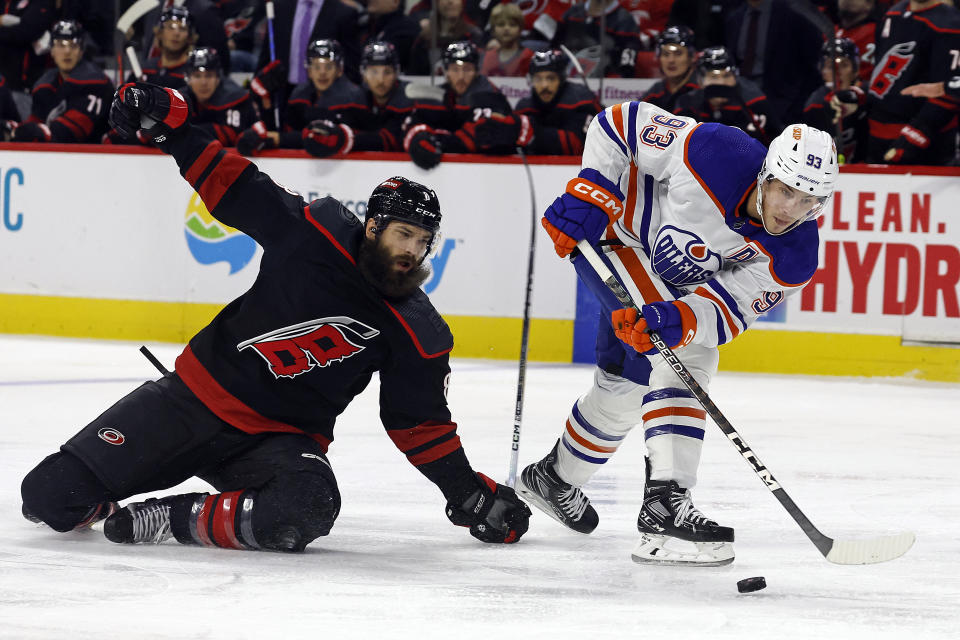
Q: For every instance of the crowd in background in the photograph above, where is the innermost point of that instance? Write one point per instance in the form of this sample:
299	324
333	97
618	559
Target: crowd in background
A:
328	76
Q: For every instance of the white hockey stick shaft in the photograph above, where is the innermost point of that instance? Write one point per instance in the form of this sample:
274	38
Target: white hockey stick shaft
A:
136	11
837	551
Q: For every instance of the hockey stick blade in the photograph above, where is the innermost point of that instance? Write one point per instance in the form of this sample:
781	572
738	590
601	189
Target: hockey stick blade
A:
868	551
136	11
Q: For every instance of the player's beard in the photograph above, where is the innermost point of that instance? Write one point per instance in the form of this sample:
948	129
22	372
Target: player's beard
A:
376	264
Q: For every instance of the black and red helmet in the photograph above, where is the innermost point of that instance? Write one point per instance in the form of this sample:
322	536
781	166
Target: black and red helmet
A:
404	200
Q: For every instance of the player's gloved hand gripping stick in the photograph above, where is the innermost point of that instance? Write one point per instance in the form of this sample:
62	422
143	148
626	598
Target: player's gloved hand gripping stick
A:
157	111
867	551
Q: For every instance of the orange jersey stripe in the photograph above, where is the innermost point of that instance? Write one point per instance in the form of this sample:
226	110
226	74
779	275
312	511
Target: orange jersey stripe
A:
631	204
675	411
705	293
639	275
617	113
586	443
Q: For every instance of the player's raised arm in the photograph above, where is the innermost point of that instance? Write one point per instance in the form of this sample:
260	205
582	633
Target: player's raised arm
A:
232	188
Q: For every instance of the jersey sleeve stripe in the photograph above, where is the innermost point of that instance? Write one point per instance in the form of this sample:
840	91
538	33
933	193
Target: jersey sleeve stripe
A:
413	336
617	112
71	126
728	300
639	276
435	453
605	126
631	204
200	164
632	127
726	318
414	440
224	174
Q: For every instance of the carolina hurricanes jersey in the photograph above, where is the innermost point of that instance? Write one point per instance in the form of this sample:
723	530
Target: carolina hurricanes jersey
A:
343	102
226	114
292	352
684	232
76	107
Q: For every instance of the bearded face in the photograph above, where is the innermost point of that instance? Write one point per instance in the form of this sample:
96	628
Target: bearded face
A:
392	260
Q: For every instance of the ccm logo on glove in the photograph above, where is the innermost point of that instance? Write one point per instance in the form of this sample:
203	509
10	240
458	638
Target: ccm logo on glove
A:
589	192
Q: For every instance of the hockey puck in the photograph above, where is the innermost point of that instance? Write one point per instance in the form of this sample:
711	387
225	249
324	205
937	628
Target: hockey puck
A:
751	584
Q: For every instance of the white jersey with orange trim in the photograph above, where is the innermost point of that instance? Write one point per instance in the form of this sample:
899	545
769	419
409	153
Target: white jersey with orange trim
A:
685	232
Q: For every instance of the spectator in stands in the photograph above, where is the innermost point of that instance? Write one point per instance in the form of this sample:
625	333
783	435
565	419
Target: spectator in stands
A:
386	22
916	43
857	20
241	19
707	18
476	12
558	111
727	98
540	21
677	58
651	17
99	21
389	102
217	104
207	24
473	116
579	31
778	49
505	56
300	22
21	26
175	37
326	95
838	107
71	101
9	114
452	26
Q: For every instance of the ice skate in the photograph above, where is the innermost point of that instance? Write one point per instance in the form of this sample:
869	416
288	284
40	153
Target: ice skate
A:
674	532
93	520
565	503
139	522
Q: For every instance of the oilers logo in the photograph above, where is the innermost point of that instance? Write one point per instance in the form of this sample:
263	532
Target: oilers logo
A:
211	241
682	258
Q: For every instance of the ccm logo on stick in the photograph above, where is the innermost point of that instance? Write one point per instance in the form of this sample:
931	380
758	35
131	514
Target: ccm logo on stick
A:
589	192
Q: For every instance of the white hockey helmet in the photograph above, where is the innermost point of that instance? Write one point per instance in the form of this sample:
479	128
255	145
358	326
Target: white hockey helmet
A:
805	159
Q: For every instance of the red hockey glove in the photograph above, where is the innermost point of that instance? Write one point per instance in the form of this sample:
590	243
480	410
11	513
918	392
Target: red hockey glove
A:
423	145
493	512
499	131
254	139
270	79
591	203
157	111
909	147
32	132
325	138
674	321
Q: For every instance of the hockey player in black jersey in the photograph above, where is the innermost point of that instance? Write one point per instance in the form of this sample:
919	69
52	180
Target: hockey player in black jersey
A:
176	35
472	117
252	403
217	104
389	102
558	111
729	99
839	106
677	58
917	42
71	100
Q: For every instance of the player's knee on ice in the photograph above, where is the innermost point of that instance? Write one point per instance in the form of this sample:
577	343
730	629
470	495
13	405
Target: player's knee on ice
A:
292	510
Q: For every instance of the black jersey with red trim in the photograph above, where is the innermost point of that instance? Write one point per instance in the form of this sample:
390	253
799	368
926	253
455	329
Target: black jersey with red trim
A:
863	35
853	130
303	341
381	128
560	126
226	114
20	61
661	96
913	47
343	101
750	111
74	107
8	108
154	72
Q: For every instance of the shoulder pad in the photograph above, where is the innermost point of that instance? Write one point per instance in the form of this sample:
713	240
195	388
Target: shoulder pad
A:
493	100
48	77
794	256
430	334
86	71
303	91
725	161
343	91
228	93
339	221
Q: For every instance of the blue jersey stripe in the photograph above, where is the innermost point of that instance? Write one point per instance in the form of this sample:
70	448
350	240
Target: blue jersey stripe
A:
602	119
580	454
592	430
675	429
632	127
647	212
728	299
721	334
666	394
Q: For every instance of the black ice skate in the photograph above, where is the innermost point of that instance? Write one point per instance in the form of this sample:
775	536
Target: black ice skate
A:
142	521
565	503
668	516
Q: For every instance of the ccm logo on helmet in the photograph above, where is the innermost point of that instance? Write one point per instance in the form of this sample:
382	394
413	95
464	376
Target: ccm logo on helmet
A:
111	436
589	192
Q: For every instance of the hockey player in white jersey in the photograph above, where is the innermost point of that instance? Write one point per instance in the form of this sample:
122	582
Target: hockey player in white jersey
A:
714	231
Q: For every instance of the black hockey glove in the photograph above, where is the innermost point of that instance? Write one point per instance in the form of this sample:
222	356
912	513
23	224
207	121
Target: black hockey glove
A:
325	138
910	147
254	139
158	111
494	513
423	144
502	131
32	132
270	79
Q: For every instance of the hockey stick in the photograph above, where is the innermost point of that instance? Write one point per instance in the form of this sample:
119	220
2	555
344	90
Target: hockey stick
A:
869	551
136	11
525	333
153	360
576	65
273	56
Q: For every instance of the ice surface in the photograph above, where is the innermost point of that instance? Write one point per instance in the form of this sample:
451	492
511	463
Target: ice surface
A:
861	458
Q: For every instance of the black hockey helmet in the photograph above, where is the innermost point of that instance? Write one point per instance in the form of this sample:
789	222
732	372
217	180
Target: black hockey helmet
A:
462	52
841	48
717	59
204	59
326	49
379	52
406	201
679	35
177	14
67	30
550	60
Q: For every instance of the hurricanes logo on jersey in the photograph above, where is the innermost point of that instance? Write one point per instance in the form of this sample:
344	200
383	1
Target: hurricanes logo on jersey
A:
682	258
299	348
891	67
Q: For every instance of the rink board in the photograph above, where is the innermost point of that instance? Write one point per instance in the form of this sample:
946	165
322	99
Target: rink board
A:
113	244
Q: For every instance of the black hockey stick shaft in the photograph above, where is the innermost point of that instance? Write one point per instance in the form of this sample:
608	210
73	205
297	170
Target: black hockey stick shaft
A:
822	542
525	332
153	360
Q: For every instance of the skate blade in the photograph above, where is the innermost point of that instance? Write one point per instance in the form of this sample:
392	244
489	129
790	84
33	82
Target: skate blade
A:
542	505
663	550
